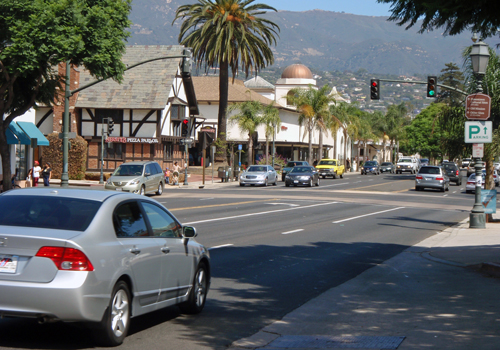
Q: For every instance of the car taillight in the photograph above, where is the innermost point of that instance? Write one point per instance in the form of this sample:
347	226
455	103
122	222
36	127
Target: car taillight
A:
68	259
457	172
471	183
419	177
440	178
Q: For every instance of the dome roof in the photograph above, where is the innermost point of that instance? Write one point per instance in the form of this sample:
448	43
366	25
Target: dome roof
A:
296	71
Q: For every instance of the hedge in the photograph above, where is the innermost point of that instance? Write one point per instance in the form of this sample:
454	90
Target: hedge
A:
77	157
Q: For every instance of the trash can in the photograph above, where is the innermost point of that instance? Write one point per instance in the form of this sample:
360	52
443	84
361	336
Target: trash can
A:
221	173
229	172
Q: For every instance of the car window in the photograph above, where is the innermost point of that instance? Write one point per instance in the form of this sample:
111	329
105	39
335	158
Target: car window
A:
449	166
48	212
158	168
128	170
405	160
129	221
161	222
385	164
426	170
327	162
371	163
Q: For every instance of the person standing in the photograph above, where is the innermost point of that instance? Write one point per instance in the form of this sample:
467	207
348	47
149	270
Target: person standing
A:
35	173
167	176
46	174
176	173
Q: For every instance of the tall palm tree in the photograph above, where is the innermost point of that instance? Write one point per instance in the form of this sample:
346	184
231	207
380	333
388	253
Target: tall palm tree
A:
346	114
248	117
313	106
228	34
271	119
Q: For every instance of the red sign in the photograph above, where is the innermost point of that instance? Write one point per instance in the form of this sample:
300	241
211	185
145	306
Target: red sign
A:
477	107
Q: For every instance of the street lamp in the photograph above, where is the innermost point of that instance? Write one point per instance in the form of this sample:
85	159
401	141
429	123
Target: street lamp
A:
479	57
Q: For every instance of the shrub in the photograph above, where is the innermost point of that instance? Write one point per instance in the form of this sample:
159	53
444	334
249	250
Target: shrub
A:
77	156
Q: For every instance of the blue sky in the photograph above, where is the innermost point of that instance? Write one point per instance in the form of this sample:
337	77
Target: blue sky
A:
358	7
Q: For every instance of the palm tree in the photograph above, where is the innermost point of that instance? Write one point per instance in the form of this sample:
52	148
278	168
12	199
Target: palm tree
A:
345	113
313	106
228	33
248	117
271	120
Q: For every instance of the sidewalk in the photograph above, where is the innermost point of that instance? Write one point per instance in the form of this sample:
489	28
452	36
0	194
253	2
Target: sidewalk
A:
435	295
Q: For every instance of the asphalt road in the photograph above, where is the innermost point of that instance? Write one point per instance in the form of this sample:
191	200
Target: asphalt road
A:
272	250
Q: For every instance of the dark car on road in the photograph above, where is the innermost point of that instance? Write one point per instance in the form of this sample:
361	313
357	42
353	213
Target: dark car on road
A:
387	167
370	167
302	175
453	171
290	165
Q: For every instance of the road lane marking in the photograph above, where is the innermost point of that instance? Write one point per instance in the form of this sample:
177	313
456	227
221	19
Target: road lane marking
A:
260	213
380	184
220	246
221	205
362	216
290	204
206	199
287	233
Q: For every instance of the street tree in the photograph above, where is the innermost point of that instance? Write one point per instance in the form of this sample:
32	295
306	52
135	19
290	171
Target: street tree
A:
453	77
36	35
314	108
228	34
248	117
346	114
272	122
455	16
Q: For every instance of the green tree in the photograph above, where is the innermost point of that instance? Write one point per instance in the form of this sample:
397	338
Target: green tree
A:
248	117
451	76
36	35
481	16
314	108
272	121
346	114
228	34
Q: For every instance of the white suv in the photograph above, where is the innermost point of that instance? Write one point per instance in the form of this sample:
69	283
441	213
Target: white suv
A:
407	164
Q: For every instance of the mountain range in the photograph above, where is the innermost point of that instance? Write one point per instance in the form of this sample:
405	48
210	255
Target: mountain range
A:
323	40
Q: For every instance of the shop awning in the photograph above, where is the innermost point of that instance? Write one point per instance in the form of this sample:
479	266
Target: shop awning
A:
19	134
11	139
33	133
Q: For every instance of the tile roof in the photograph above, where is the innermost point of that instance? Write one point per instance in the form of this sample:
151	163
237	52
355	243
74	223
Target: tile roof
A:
144	87
258	83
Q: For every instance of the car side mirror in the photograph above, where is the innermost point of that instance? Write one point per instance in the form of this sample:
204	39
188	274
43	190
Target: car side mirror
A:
189	232
147	174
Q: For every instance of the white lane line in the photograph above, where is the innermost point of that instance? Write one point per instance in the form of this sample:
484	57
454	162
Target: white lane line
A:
220	246
287	233
454	191
445	195
289	204
362	216
341	184
205	199
260	213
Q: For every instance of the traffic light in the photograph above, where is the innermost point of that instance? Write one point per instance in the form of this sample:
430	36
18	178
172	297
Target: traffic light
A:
187	61
431	86
375	89
185	127
111	125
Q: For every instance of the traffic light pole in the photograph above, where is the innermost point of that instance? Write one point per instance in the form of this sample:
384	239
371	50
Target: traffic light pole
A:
425	83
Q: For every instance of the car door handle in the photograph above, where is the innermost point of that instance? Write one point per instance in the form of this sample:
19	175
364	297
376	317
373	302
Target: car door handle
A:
165	250
135	250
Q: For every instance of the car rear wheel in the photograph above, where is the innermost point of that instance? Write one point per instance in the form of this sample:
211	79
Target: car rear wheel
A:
116	321
160	189
198	293
342	175
142	192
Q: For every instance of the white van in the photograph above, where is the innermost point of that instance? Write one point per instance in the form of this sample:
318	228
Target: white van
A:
407	164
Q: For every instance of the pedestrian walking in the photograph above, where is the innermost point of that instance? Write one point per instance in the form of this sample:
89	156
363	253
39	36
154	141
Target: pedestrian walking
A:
348	164
35	173
46	174
167	176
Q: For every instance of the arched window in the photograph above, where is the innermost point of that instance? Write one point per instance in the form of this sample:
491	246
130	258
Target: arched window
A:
289	97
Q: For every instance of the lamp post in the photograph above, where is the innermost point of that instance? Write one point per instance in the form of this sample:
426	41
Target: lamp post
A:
479	57
274	132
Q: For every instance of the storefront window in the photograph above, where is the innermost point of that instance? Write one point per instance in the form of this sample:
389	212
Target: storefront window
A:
113	151
168	150
21	161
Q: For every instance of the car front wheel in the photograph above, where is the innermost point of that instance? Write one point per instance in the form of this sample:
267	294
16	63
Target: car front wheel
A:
160	189
198	293
142	192
310	182
317	182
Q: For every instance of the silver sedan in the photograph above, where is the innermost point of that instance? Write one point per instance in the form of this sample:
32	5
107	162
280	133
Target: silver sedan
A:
259	175
96	256
432	177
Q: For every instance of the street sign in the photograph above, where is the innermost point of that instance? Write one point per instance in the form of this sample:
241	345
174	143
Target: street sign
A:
477	150
185	141
478	132
240	147
478	107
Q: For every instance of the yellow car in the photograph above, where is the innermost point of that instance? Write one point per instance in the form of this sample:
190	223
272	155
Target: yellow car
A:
330	167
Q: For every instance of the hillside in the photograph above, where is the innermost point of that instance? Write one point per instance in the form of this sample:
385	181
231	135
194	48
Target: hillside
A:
323	40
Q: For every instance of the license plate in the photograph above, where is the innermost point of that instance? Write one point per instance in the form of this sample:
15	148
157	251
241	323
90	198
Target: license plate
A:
8	263
323	174
295	181
119	189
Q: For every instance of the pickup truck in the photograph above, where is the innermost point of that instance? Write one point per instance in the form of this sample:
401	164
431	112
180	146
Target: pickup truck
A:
330	167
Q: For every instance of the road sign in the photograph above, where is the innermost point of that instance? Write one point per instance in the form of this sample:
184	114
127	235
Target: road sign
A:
478	107
478	132
477	150
240	147
185	141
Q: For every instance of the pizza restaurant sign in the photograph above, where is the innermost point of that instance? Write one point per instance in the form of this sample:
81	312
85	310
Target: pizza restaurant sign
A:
132	140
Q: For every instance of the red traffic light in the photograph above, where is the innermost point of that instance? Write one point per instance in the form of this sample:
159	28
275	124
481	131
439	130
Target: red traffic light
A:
185	121
374	84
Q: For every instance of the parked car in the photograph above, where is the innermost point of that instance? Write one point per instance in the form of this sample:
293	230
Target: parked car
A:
387	167
496	166
259	175
453	172
302	175
290	165
496	178
470	186
137	177
96	256
330	167
432	177
370	167
466	162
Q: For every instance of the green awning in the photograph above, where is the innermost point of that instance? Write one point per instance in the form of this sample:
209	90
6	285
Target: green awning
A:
21	136
34	133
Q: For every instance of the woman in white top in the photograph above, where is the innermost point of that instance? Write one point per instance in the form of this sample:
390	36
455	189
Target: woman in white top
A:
35	173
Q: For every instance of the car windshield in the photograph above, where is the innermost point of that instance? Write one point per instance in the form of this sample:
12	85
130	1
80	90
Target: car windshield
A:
292	164
429	170
405	160
371	163
54	213
385	164
424	160
327	162
256	169
302	169
449	166
128	170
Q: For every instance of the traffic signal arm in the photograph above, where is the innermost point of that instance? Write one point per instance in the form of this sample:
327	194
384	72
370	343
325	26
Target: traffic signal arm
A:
424	82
